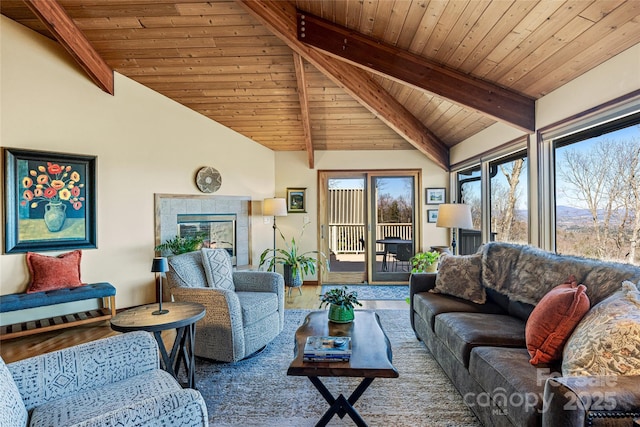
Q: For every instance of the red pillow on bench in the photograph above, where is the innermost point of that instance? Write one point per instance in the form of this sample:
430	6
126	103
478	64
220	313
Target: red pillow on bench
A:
49	273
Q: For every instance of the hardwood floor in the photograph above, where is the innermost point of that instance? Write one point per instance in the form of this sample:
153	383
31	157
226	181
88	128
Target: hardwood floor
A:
24	347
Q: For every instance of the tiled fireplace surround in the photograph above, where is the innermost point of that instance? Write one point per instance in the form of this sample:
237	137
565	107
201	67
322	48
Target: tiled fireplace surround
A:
169	206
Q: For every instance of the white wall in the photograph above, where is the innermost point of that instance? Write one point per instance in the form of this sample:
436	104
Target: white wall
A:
144	142
292	170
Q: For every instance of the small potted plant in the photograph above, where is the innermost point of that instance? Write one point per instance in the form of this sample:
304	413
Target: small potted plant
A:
182	245
425	262
340	302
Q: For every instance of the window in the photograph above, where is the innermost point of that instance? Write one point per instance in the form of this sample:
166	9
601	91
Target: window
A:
499	184
597	191
509	199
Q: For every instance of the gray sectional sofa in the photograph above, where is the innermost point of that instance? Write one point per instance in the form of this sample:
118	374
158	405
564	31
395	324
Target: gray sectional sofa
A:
482	347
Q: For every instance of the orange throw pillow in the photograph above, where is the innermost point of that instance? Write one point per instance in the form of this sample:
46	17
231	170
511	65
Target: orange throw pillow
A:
553	319
49	273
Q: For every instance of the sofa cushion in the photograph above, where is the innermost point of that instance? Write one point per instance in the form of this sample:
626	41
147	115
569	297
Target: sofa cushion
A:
218	268
461	332
256	306
526	273
12	409
607	340
49	273
553	320
94	403
429	305
515	386
461	277
188	270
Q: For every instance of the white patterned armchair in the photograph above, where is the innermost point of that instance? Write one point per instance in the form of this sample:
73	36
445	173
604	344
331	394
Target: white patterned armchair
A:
116	381
245	309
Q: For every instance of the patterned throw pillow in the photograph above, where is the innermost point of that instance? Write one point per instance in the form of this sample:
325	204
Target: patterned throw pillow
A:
218	268
607	340
554	318
460	276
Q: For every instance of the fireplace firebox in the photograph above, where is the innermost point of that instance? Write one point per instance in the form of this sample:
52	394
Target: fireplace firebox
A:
219	230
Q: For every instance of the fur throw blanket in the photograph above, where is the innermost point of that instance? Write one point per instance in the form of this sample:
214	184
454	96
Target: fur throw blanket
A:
527	273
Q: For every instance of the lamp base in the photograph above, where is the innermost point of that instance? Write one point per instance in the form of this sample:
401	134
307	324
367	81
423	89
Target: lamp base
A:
160	312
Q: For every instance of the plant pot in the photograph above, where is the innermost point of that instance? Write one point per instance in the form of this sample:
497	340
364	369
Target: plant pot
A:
340	314
431	268
289	279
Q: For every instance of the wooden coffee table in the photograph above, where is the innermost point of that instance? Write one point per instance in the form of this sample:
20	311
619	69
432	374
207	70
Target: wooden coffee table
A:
370	359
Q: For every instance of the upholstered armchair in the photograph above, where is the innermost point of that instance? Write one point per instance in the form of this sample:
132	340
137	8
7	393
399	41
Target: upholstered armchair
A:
245	309
115	381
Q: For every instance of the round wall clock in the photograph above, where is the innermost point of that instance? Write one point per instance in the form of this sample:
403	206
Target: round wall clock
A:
208	180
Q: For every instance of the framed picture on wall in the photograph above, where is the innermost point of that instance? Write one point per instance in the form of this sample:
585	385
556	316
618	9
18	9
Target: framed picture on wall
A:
432	215
296	200
435	196
50	201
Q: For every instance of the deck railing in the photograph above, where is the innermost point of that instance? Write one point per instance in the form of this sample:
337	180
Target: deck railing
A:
348	238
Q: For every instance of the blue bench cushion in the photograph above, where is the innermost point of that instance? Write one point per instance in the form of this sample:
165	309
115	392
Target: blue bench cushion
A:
13	302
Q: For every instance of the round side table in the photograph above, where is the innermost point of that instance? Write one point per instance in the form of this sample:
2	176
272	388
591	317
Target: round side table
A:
182	317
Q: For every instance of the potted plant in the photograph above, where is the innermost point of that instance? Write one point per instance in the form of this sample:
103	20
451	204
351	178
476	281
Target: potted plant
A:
425	262
296	264
181	245
340	302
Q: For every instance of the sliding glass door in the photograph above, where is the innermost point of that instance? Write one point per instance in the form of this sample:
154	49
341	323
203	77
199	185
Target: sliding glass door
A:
393	222
368	225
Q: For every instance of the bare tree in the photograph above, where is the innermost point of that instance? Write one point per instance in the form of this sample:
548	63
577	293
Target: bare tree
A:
511	172
605	179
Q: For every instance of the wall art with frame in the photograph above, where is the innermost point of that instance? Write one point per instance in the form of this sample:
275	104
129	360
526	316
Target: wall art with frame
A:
432	215
296	200
435	196
50	201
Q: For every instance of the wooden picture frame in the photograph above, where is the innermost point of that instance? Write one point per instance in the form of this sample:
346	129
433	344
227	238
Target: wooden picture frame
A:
435	196
296	200
432	216
50	201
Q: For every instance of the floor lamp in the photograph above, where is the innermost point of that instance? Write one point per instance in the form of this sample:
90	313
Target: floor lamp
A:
454	216
274	207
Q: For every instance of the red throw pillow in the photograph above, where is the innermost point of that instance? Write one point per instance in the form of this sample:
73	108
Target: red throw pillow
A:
48	273
553	319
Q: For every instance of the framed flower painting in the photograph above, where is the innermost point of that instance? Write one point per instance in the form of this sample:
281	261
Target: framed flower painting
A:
50	201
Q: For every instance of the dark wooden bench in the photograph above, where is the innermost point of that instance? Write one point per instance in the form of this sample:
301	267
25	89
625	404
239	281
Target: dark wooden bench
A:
59	303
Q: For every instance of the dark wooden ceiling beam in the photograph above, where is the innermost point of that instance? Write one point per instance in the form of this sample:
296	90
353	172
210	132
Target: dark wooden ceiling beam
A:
54	17
485	97
280	18
304	107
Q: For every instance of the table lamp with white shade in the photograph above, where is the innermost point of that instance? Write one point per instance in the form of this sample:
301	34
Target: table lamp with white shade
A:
454	216
274	207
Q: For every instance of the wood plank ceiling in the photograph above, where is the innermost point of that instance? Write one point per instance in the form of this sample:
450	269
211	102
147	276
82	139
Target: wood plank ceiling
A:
243	64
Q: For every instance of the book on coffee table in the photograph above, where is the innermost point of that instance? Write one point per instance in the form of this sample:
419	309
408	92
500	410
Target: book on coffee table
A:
327	349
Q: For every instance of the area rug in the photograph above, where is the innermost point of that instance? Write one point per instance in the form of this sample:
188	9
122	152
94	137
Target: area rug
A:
258	392
375	292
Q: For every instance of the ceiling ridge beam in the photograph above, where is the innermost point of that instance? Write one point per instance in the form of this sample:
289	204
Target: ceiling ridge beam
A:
58	22
304	107
280	18
487	98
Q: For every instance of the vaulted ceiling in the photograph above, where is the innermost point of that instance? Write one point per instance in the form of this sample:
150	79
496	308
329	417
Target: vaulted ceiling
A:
344	74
